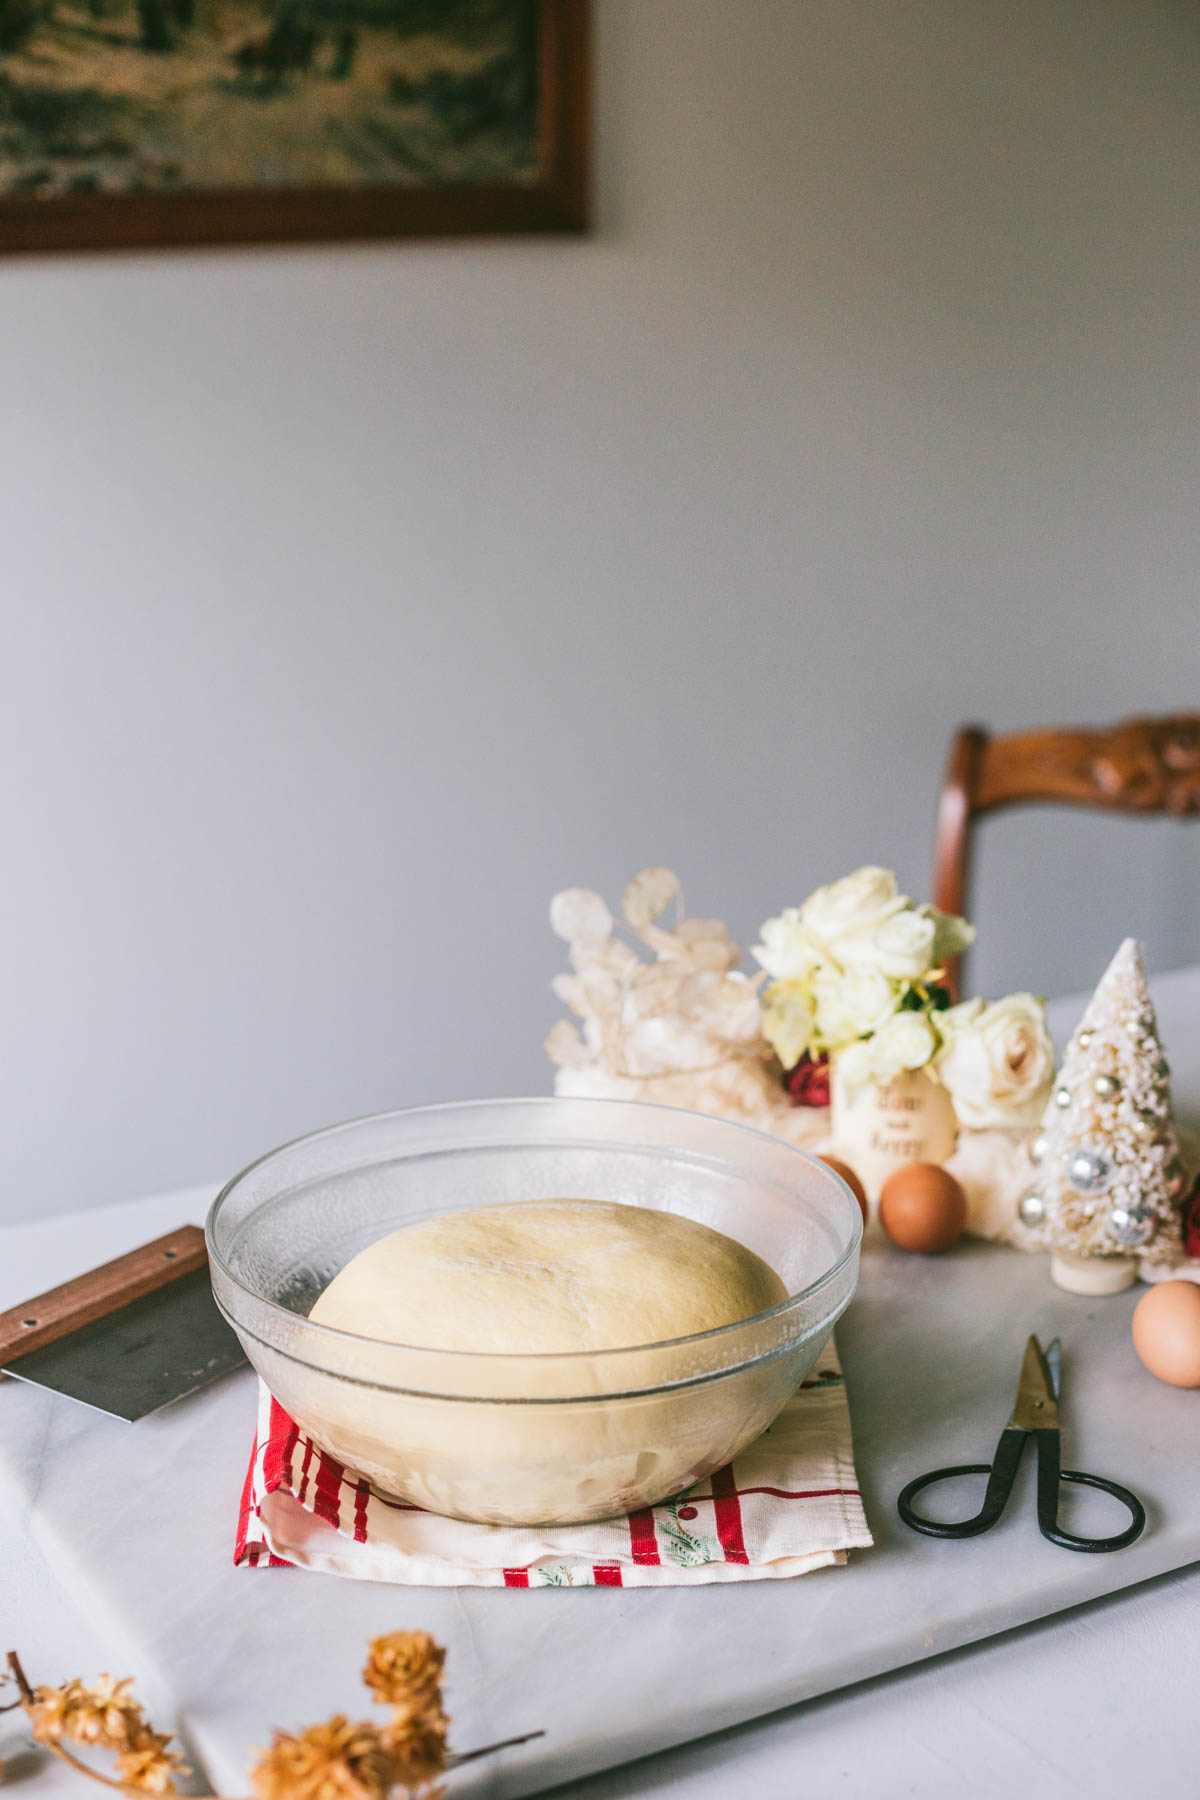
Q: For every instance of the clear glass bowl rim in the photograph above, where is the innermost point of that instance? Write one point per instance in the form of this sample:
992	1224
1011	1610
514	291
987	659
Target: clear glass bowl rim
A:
316	1334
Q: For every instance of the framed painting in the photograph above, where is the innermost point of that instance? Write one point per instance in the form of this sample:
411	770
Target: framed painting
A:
140	123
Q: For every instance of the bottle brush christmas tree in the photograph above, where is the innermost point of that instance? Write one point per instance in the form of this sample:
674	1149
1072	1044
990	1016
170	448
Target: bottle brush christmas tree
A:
1108	1179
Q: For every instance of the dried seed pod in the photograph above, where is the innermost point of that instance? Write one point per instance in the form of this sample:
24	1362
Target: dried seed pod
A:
565	1047
608	954
648	896
579	916
569	989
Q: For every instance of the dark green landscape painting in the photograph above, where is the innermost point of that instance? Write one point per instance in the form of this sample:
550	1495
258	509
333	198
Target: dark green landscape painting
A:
152	97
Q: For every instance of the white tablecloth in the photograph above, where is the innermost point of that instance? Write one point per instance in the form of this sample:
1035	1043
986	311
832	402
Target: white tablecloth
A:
1099	1700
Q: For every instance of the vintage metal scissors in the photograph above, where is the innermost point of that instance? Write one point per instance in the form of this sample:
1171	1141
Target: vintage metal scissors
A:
1035	1415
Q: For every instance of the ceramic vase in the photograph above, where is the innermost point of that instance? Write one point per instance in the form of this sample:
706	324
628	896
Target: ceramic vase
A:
908	1119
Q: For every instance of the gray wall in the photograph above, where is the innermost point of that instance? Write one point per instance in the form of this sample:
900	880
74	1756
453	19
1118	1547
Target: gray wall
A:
355	599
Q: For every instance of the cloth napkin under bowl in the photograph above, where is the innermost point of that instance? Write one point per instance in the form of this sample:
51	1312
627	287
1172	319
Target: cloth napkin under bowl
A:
788	1504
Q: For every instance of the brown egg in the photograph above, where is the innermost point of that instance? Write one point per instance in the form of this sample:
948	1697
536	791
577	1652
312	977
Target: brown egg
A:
1166	1332
922	1207
851	1180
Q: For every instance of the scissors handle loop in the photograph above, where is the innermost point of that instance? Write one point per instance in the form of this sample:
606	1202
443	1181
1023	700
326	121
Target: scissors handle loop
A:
1001	1474
1049	1477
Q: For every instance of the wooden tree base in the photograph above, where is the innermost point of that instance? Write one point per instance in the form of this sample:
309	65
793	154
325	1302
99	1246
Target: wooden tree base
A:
1092	1274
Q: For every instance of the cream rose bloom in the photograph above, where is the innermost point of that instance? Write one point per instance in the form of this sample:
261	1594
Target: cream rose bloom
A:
998	1061
906	1042
853	1005
842	917
854	1071
904	945
952	935
789	1020
786	952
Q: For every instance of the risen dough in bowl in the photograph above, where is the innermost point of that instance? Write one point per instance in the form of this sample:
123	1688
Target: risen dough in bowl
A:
548	1276
554	1435
533	1280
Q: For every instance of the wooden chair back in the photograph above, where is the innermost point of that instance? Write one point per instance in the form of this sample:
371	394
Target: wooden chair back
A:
1141	766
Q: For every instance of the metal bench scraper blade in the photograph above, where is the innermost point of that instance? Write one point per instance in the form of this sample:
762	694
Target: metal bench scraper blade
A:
128	1338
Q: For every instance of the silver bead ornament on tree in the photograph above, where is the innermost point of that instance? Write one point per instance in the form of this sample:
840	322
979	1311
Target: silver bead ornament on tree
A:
1132	1225
1089	1171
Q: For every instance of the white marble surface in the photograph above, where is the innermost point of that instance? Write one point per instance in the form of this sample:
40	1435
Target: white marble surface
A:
1092	1698
43	1612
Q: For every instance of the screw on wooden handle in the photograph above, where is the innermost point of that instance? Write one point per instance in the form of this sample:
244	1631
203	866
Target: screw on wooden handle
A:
101	1291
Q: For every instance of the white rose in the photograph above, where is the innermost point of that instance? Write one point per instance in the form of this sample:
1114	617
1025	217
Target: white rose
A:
789	1018
854	1070
906	1042
847	912
951	935
998	1061
833	1022
786	952
904	945
853	1005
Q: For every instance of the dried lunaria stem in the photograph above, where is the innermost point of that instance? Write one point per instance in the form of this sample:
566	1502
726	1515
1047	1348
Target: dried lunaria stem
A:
686	1012
342	1759
662	1011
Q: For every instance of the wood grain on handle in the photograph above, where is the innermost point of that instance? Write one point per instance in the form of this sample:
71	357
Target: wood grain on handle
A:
100	1292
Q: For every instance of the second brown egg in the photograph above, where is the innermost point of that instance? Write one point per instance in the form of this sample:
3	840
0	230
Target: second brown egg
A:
922	1207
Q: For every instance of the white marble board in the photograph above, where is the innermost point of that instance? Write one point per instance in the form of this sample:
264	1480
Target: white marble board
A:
140	1521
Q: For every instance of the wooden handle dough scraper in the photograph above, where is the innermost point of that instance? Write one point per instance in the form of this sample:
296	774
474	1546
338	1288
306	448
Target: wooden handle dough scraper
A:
128	1337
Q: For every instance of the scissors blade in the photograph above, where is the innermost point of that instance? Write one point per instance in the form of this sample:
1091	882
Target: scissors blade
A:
1054	1364
1037	1407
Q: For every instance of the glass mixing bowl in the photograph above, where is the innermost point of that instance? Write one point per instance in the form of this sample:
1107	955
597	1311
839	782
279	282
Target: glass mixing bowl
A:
541	1438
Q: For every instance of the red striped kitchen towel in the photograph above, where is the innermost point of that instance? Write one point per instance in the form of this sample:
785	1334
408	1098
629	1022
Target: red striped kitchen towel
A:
790	1503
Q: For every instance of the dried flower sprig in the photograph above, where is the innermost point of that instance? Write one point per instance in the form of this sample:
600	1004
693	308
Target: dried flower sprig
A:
404	1669
342	1759
105	1716
663	1013
684	1028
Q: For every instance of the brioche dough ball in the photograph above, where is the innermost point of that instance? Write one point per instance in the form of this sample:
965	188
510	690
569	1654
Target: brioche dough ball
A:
546	1276
515	1441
